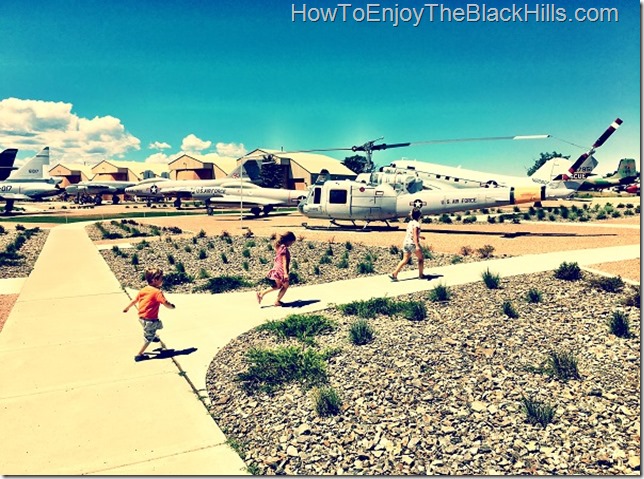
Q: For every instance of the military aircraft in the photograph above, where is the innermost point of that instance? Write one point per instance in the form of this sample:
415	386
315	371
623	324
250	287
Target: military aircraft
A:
240	194
29	183
228	191
446	177
625	174
7	157
359	201
147	189
85	189
633	189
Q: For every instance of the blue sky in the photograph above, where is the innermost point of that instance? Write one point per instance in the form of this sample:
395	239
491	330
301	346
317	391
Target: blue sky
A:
147	80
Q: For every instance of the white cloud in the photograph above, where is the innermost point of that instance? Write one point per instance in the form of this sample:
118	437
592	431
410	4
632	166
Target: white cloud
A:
159	145
192	144
159	158
235	150
33	124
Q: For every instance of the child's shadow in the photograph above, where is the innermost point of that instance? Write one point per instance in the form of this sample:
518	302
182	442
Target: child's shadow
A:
294	304
299	303
170	353
427	277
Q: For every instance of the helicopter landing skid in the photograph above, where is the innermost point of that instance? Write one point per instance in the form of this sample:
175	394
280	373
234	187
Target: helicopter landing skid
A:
334	226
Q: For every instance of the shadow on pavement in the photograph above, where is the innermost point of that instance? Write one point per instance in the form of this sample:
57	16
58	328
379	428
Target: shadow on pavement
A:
299	303
170	353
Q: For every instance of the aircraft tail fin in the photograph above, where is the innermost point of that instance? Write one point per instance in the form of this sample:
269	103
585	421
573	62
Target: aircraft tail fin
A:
34	168
567	183
626	168
7	157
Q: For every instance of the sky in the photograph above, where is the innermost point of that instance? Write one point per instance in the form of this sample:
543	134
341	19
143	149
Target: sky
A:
145	80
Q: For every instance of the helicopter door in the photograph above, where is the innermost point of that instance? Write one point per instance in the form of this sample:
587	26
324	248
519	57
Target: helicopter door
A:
337	204
372	202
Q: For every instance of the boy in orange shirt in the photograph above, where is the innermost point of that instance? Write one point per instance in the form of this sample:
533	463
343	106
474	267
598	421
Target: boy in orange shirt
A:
148	301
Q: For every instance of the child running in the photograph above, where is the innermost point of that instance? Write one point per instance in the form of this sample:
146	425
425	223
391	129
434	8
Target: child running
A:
411	244
148	301
279	274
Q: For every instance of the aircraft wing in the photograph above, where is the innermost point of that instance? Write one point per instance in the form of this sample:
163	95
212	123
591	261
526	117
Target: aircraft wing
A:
15	196
246	200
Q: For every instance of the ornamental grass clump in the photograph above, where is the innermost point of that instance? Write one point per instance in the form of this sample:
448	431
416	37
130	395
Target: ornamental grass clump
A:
509	310
361	332
534	296
369	308
563	365
221	284
270	369
303	327
619	325
537	412
327	401
491	280
440	293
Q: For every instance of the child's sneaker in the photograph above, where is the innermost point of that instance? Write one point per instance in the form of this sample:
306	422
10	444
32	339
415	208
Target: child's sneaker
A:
140	357
156	339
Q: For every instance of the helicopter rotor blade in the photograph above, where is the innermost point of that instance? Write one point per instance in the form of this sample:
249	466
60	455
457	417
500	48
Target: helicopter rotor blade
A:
599	142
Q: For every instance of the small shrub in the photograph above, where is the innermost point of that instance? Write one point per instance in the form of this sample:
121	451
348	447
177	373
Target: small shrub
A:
619	325
245	265
427	252
491	280
568	271
202	254
187	248
246	253
486	251
609	284
537	412
348	245
509	310
220	284
466	250
361	332
343	263
634	299
325	259
224	258
393	249
440	293
327	401
171	259
456	259
135	259
534	296
469	219
445	218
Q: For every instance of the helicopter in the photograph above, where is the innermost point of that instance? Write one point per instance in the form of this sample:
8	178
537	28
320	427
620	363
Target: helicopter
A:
389	197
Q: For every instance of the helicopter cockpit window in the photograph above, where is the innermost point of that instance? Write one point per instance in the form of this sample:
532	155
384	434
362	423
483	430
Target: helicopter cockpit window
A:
338	197
317	194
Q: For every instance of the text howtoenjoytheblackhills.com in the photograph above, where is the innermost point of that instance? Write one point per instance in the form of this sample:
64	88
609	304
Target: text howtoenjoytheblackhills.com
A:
417	15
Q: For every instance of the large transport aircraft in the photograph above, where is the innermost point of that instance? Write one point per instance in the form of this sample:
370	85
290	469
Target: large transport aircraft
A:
30	183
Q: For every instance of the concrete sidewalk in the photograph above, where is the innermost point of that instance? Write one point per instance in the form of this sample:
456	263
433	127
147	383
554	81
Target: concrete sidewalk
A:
73	401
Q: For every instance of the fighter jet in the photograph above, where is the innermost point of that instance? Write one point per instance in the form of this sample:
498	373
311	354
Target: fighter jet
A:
84	190
30	183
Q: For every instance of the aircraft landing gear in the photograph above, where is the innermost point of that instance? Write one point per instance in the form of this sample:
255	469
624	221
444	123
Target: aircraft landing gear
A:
115	199
98	200
268	209
255	210
8	207
177	203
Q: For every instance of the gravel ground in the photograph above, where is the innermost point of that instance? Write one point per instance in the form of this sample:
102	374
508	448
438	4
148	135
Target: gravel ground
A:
443	395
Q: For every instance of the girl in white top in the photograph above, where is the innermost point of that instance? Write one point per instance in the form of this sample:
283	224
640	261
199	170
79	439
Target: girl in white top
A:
411	244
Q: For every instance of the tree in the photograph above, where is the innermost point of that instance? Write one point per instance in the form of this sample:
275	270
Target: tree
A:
271	174
542	160
357	164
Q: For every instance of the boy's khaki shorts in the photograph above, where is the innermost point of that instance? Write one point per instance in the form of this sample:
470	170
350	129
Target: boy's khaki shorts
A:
150	328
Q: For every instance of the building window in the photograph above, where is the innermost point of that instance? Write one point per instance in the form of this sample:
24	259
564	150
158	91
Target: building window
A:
338	197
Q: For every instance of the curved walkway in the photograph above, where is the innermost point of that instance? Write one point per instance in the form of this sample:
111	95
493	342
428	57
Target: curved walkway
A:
73	401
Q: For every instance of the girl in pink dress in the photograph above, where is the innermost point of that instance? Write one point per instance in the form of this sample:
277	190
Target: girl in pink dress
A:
279	274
